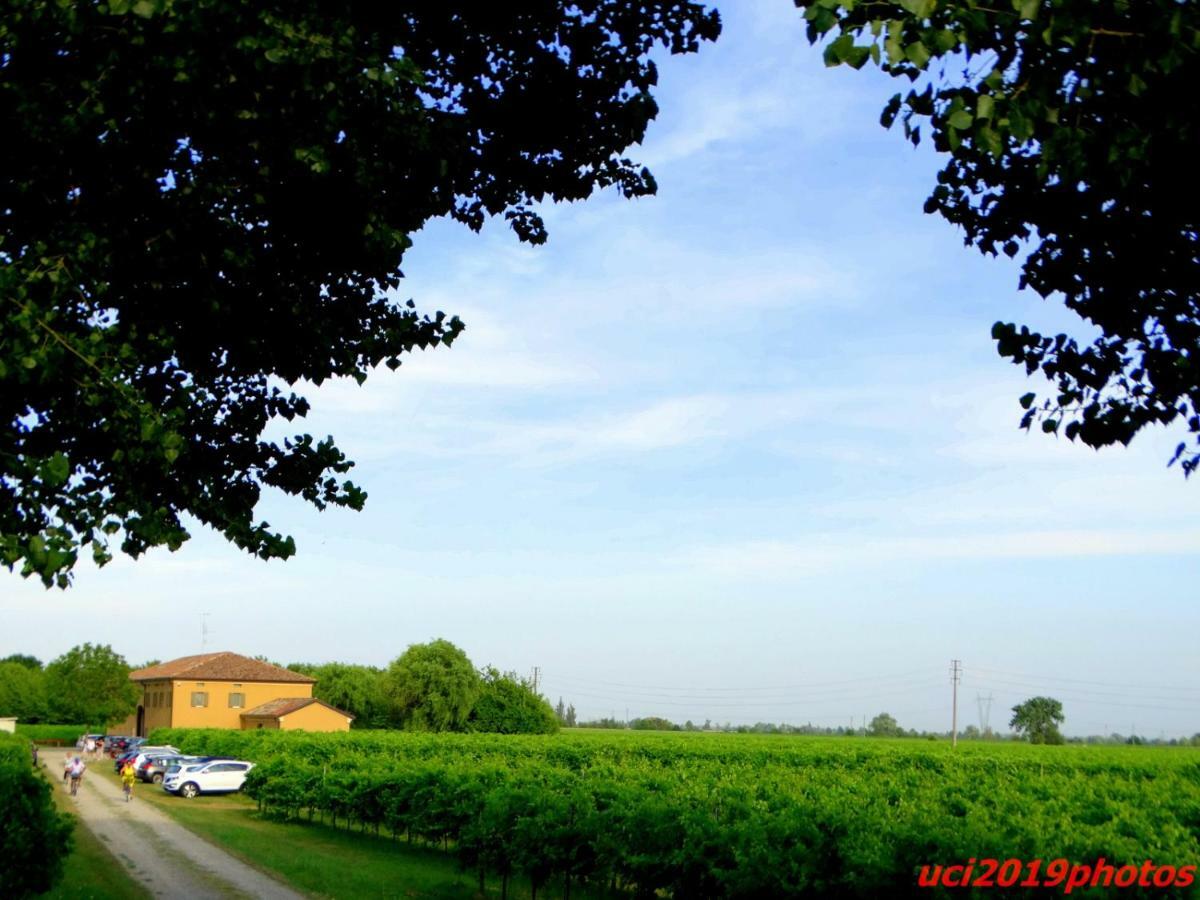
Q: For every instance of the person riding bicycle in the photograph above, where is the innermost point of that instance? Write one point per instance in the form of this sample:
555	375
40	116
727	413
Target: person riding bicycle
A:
78	767
128	777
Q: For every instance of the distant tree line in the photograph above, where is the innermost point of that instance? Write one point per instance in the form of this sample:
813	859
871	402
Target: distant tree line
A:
1036	720
88	684
433	687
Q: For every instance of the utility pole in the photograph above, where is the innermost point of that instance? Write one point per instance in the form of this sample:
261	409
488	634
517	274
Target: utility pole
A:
204	631
536	672
955	677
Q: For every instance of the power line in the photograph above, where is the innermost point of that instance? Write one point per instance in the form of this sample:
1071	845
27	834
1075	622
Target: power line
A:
1042	678
1089	702
692	702
782	687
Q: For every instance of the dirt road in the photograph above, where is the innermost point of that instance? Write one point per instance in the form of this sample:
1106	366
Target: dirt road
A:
165	857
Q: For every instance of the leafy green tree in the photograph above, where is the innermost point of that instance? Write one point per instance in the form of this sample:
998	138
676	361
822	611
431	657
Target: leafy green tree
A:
90	684
431	687
507	705
883	725
355	689
1038	719
23	659
22	692
205	205
1071	128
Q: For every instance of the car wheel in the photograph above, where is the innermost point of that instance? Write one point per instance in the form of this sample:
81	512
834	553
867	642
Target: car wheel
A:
189	790
156	777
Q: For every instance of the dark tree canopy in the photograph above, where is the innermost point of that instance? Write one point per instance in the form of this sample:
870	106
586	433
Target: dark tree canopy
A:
203	204
90	684
1073	129
431	687
1038	719
507	704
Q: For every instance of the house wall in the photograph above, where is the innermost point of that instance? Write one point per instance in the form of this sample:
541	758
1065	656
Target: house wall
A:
315	717
218	713
157	699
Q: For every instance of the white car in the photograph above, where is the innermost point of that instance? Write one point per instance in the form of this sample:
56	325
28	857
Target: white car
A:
216	777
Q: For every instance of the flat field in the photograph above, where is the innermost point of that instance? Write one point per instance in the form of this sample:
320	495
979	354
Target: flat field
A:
729	815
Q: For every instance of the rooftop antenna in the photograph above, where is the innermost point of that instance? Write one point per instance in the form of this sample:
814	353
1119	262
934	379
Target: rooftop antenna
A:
204	630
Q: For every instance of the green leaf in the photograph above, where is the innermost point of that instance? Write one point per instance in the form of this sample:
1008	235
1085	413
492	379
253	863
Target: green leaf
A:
56	469
1027	9
922	9
984	106
917	53
961	119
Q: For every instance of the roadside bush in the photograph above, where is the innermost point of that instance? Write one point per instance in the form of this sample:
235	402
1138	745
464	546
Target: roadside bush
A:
35	838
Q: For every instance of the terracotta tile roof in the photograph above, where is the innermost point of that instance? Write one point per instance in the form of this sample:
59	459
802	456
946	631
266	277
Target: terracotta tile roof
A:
282	706
219	667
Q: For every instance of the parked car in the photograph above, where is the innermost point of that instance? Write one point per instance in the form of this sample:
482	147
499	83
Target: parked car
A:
137	754
120	759
116	744
153	769
160	750
217	776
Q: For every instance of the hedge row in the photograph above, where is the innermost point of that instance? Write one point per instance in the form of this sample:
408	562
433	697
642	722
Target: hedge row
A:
34	837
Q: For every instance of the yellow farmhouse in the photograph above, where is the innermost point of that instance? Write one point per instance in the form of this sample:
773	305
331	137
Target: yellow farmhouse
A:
226	690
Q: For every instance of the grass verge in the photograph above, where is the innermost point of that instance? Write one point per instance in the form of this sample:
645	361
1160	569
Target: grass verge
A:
91	872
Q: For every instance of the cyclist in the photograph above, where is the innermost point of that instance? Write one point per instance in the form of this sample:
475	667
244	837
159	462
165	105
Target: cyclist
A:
78	767
128	777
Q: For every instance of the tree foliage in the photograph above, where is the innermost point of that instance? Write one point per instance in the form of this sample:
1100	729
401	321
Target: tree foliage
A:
35	838
90	683
23	659
431	687
352	688
884	725
507	705
1072	128
22	692
1038	719
204	206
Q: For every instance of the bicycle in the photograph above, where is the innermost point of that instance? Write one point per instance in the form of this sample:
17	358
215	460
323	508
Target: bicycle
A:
75	779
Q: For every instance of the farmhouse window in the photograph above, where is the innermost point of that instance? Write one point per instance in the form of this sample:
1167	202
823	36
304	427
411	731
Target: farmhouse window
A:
236	700
199	698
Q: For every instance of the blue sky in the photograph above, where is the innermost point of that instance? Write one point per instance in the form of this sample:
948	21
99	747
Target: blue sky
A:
742	451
